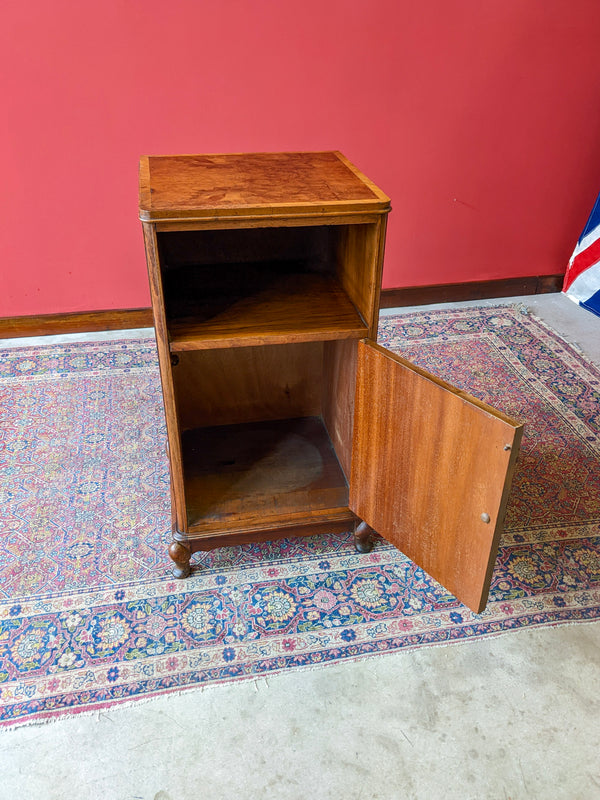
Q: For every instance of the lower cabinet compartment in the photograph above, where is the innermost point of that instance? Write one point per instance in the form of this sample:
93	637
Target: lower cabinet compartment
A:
266	435
236	476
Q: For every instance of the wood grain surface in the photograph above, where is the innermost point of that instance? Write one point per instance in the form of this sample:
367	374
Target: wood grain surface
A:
235	385
197	186
431	470
338	388
166	378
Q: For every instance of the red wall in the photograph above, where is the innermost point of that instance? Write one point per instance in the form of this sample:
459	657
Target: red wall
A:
480	119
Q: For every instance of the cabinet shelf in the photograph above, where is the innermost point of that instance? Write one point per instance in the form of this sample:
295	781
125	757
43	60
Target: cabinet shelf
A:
239	476
297	307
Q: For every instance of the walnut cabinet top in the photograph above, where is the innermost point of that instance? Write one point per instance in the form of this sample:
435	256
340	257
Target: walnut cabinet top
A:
203	187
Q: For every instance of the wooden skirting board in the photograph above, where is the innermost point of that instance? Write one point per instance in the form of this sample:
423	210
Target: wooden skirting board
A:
83	322
477	290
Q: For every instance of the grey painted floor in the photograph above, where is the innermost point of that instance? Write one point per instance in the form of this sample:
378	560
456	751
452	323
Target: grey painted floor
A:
510	718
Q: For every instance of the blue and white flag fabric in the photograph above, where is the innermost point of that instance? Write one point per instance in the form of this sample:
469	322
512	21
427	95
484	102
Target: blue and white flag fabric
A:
582	281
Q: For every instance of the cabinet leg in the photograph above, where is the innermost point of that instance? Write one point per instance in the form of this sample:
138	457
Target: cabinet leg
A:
181	555
363	541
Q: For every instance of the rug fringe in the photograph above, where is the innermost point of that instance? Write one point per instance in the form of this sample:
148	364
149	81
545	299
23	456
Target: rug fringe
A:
263	679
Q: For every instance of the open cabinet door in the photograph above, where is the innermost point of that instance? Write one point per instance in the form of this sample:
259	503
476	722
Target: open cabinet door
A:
431	470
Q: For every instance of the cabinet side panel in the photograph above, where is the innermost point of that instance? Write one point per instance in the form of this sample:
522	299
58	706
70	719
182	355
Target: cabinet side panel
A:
166	377
233	385
359	263
339	382
373	322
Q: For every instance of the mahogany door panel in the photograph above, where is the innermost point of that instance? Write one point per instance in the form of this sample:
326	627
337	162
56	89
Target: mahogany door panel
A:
431	470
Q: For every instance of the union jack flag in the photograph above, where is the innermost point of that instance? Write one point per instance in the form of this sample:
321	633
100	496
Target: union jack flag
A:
582	281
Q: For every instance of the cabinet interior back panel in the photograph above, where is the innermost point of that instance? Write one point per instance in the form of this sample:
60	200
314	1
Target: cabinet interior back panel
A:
339	384
228	386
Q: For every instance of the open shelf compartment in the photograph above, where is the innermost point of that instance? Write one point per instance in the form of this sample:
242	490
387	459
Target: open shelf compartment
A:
245	287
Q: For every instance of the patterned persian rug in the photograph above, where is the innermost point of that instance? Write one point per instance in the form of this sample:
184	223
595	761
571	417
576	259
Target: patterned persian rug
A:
89	614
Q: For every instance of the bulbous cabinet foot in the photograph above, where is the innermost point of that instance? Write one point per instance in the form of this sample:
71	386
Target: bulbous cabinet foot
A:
181	555
363	538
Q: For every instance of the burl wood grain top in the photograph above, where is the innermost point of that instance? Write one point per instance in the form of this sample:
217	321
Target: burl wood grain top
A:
191	187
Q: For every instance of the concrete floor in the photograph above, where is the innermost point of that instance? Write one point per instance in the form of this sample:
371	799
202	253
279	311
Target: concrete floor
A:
516	717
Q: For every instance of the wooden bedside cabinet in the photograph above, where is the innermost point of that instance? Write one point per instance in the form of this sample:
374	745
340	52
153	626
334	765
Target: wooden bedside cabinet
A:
284	417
